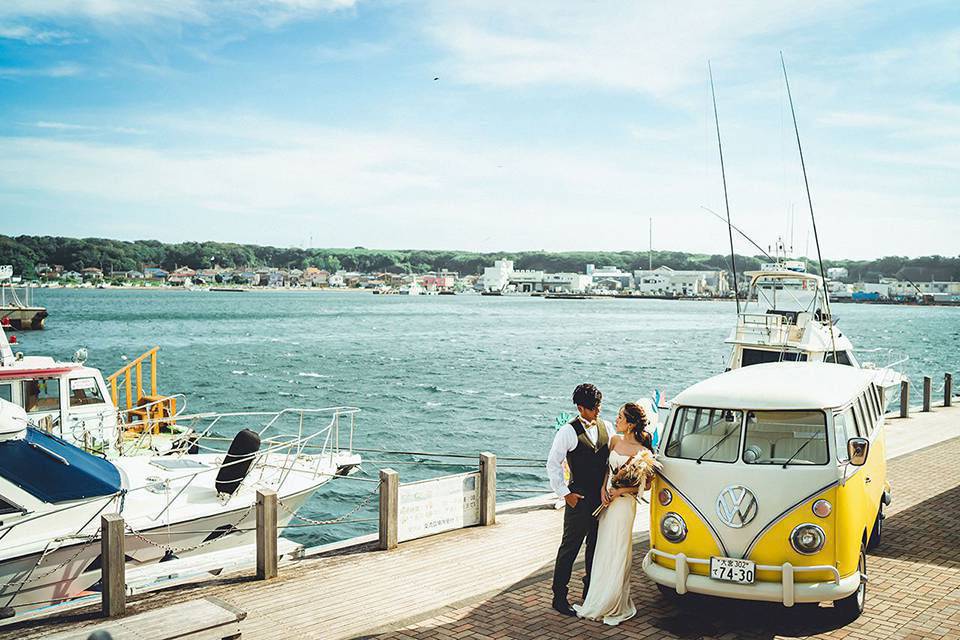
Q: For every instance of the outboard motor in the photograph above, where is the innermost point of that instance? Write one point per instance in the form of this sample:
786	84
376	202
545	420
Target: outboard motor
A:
236	464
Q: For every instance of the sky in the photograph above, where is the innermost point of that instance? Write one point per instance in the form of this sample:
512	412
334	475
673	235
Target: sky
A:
482	125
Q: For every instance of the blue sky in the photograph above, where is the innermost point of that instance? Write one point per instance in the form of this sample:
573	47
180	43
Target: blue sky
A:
550	125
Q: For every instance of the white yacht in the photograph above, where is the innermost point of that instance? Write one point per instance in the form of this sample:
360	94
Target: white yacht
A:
17	310
52	495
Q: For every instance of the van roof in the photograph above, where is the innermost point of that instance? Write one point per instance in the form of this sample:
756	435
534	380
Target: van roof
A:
779	385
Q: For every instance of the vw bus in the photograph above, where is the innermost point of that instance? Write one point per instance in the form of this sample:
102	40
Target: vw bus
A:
773	486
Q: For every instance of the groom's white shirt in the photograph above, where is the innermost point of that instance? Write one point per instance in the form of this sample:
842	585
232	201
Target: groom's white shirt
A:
564	442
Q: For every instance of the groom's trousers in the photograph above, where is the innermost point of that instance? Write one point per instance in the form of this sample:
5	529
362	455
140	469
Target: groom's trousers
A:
578	525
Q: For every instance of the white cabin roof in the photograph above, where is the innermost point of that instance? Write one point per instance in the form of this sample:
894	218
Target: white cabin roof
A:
779	386
785	274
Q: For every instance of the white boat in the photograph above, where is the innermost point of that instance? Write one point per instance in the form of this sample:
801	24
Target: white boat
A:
787	318
74	402
52	495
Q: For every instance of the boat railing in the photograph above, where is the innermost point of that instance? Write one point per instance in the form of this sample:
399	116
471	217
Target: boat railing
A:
289	446
766	328
132	372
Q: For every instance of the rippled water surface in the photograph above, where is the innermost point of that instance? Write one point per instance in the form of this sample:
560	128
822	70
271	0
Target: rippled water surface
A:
435	373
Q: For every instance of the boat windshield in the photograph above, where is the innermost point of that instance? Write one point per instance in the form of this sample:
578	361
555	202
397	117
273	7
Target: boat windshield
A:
784	293
54	471
705	435
786	438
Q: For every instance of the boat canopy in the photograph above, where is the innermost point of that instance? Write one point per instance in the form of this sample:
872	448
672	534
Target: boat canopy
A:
54	471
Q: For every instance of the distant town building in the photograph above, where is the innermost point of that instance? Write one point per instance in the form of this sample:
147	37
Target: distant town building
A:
666	281
566	282
495	278
838	273
607	276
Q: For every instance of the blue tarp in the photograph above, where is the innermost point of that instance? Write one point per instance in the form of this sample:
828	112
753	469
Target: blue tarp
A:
55	471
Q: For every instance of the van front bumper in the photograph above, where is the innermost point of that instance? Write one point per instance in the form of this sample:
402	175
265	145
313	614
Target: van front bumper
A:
787	591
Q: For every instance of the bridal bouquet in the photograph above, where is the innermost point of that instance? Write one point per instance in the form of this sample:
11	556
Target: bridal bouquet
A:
634	474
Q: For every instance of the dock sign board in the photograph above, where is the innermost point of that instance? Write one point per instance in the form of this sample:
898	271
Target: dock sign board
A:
440	504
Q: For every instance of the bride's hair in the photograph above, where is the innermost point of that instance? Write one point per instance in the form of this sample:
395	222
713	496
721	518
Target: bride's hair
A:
636	416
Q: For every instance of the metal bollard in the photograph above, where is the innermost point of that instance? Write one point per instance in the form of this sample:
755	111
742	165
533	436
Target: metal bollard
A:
947	389
927	389
904	398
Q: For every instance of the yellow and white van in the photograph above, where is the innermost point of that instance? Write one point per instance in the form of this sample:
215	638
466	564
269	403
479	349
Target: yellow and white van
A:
773	486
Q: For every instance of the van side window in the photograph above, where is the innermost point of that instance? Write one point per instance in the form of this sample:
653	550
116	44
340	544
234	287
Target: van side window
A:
843	430
6	392
875	400
858	430
842	358
867	416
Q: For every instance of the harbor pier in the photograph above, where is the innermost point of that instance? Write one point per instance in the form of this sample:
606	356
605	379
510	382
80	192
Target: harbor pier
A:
494	581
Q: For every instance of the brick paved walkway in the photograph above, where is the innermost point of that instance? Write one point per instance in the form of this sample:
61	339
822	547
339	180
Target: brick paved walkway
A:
914	589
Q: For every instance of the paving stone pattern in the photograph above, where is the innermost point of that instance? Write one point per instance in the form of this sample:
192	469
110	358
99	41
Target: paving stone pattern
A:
913	593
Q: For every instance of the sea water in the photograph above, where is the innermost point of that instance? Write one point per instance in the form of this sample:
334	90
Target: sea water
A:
436	373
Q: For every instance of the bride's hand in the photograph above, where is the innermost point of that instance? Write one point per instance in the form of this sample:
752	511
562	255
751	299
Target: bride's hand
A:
604	496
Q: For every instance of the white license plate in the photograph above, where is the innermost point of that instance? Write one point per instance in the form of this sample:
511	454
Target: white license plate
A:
733	570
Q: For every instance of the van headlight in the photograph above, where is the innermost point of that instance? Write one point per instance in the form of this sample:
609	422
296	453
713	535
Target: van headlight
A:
807	539
673	527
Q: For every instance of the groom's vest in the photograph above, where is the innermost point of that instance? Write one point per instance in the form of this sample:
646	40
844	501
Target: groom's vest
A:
588	462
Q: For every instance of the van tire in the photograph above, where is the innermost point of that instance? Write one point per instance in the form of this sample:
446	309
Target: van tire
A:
876	535
852	606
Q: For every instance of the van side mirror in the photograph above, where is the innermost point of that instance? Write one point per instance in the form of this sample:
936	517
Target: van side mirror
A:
857	450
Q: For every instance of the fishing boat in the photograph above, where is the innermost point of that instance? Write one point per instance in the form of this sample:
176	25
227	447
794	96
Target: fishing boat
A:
181	505
17	310
123	414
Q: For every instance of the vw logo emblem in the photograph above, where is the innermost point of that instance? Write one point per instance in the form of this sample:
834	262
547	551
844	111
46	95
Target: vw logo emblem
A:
736	506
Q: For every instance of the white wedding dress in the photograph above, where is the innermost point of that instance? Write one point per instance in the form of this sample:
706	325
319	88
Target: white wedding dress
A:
608	599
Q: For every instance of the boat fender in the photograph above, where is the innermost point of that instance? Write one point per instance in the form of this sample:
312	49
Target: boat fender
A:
237	462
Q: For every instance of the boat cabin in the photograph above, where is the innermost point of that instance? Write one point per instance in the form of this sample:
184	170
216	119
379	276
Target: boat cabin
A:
785	318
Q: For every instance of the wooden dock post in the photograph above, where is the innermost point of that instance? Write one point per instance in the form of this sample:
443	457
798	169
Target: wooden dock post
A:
947	389
904	398
488	489
389	498
266	534
927	389
113	575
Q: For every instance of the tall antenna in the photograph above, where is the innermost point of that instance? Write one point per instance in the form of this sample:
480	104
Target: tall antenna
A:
726	200
813	219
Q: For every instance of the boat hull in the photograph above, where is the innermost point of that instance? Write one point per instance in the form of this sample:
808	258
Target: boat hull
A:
66	572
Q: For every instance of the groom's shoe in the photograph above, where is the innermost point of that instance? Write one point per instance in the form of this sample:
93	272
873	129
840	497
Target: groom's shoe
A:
562	606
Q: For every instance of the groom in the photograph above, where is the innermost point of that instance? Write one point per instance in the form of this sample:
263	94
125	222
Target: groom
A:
583	443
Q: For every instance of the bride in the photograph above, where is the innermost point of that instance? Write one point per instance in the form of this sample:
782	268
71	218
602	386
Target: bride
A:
608	598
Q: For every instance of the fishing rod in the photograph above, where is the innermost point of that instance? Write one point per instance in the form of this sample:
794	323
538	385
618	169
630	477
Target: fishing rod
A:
726	200
738	230
813	219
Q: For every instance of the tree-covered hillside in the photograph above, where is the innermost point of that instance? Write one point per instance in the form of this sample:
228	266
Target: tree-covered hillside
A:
26	252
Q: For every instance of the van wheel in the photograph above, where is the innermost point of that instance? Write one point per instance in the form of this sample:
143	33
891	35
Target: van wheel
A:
852	606
877	534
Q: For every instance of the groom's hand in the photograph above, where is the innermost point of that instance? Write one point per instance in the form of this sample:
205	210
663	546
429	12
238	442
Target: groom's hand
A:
572	499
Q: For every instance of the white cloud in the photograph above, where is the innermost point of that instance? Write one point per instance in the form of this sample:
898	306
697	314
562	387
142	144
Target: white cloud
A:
186	11
390	189
655	48
61	70
35	36
67	126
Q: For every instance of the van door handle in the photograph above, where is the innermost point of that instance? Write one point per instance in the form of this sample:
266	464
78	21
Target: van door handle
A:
867	481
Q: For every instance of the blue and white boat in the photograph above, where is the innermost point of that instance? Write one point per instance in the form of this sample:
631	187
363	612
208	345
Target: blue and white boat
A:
52	495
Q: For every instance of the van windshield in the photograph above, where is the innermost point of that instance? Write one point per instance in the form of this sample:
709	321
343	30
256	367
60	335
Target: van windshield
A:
709	435
786	437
